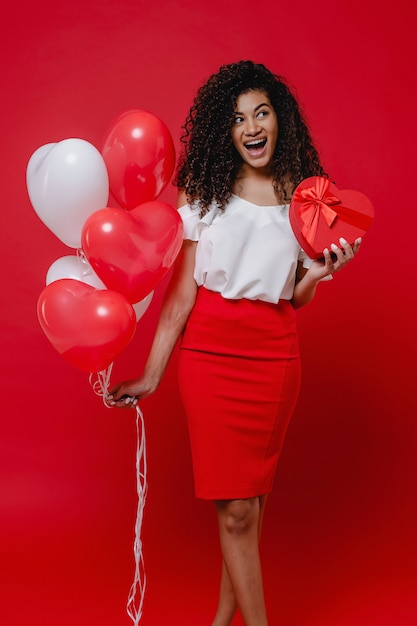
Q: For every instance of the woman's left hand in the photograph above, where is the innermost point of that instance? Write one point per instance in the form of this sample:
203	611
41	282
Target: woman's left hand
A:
335	259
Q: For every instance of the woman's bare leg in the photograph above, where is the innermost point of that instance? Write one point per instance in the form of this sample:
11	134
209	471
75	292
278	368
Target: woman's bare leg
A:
240	525
227	606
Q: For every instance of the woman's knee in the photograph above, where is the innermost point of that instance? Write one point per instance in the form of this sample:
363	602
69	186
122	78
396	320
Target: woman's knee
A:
238	516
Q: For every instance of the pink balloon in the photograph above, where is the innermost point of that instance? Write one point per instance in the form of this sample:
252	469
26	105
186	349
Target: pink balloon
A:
131	251
140	157
87	326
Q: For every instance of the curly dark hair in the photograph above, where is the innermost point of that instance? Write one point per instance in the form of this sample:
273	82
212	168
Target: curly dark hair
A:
209	162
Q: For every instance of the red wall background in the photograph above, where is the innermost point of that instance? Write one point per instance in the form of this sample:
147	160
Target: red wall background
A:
339	547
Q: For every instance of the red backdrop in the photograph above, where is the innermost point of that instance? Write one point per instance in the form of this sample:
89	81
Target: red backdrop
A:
339	547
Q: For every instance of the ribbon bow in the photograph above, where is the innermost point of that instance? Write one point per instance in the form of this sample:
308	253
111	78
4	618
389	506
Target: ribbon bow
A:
317	201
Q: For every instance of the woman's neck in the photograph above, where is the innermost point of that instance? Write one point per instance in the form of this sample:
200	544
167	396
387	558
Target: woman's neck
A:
256	186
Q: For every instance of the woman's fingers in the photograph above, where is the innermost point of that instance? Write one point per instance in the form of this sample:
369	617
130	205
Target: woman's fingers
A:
117	396
124	402
357	245
342	254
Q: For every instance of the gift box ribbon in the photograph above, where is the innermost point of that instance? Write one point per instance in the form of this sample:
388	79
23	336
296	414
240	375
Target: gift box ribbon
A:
318	200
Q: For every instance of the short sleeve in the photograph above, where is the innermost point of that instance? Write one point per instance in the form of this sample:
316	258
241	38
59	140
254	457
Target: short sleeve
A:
304	259
193	223
190	219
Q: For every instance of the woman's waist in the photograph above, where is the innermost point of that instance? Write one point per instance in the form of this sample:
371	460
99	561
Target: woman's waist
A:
252	328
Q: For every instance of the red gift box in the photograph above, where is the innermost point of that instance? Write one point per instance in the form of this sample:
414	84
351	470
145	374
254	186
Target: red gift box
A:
320	214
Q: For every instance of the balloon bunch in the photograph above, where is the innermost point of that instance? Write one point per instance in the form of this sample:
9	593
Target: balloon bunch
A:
94	298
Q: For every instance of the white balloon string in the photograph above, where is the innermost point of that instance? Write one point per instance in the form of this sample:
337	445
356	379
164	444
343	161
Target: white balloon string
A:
85	268
137	591
102	383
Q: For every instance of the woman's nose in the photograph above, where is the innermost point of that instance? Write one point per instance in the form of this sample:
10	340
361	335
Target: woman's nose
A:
251	127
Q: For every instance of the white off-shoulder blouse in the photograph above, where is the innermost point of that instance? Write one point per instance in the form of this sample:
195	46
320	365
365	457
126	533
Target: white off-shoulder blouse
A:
246	251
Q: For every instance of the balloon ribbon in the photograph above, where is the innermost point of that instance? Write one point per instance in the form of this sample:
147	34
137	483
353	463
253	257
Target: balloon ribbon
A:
137	590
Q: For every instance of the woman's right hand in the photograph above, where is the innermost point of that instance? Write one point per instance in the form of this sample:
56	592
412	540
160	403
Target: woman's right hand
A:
127	394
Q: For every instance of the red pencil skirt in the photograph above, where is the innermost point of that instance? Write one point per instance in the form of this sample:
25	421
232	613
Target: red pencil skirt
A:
239	378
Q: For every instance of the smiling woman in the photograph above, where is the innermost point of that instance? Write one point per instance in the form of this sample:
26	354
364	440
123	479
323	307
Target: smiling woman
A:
339	540
217	130
232	296
255	129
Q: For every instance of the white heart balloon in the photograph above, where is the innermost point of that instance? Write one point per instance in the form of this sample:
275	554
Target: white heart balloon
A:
75	267
142	306
66	182
78	268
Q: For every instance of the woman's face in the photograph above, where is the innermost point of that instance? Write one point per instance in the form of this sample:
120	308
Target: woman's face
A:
255	129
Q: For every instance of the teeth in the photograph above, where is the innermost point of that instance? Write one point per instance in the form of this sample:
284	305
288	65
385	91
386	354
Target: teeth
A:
258	142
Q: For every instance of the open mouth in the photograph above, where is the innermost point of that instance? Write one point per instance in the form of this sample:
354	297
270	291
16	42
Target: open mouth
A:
255	147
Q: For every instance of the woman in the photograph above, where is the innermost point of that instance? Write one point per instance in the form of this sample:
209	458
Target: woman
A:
235	285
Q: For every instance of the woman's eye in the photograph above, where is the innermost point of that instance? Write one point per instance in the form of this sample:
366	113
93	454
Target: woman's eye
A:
238	119
262	114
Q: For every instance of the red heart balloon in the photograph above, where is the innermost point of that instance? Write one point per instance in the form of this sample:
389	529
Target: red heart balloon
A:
140	157
131	251
88	327
320	214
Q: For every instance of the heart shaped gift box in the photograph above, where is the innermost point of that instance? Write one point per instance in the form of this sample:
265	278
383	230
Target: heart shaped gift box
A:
320	214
